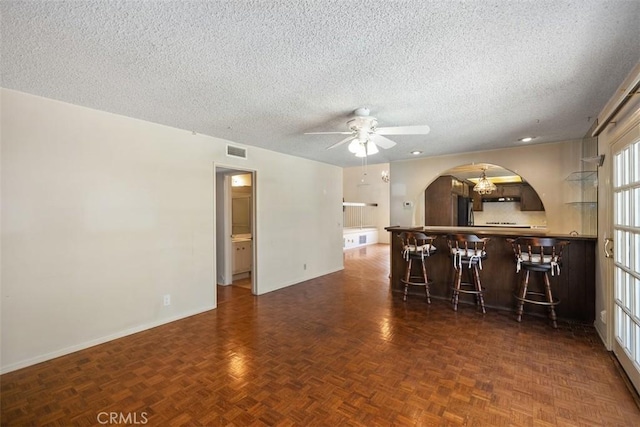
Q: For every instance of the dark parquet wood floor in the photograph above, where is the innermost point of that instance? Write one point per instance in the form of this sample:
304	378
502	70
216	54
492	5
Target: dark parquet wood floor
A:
337	350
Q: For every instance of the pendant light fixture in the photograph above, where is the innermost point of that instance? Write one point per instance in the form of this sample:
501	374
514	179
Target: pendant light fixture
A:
484	186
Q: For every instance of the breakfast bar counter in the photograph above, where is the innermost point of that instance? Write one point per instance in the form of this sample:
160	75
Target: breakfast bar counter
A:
575	286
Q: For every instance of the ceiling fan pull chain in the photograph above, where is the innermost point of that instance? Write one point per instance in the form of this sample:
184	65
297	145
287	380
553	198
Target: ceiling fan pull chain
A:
364	168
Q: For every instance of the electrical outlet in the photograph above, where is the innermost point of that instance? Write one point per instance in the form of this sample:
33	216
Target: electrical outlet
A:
603	316
167	299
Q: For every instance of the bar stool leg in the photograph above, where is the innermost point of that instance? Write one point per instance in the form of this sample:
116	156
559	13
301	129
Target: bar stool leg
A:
407	279
456	290
478	284
523	293
455	280
426	282
552	310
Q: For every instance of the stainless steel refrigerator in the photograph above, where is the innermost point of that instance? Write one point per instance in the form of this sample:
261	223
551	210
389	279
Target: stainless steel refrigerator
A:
465	211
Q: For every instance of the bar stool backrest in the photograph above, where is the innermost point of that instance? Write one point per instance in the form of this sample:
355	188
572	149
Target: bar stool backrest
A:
417	243
467	245
538	253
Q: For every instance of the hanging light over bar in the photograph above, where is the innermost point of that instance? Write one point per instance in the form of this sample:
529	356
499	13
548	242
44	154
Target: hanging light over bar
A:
484	186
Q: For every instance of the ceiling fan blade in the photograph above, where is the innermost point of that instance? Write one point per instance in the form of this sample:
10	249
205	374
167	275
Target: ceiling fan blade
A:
381	141
328	133
404	130
341	142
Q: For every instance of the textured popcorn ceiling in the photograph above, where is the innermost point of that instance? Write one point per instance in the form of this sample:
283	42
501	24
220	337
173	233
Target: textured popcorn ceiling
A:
481	74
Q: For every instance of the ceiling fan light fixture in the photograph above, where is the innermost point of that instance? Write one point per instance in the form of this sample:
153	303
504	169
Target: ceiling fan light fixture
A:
354	146
363	135
367	149
484	186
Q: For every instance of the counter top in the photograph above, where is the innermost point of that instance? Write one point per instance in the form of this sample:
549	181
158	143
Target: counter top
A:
490	231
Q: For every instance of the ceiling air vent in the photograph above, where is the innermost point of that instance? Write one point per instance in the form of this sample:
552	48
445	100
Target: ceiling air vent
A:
236	152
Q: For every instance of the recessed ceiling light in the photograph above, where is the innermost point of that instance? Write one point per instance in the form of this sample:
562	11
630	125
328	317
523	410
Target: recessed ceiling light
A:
416	152
526	139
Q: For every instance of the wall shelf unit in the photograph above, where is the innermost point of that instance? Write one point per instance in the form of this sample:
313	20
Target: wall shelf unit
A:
583	177
582	196
583	204
583	188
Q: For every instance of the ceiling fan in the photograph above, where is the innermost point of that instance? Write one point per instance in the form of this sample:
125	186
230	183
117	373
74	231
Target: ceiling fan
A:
365	136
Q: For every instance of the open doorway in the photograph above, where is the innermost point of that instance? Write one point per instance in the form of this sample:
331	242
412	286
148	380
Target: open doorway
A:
235	228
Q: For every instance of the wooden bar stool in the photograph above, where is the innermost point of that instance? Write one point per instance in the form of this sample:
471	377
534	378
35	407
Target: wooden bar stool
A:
416	246
543	255
467	252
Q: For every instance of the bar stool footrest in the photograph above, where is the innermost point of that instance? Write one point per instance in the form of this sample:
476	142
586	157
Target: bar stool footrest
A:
468	291
541	299
429	283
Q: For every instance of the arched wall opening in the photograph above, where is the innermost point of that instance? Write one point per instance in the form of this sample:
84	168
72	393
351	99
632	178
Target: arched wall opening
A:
450	200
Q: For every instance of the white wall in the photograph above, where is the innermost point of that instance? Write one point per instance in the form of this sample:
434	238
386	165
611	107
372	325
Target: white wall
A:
366	185
544	166
103	214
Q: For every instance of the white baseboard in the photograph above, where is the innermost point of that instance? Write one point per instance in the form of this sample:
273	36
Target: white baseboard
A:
82	346
602	334
303	279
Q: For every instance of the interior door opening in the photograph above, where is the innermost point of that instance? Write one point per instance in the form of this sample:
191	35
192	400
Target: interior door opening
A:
235	228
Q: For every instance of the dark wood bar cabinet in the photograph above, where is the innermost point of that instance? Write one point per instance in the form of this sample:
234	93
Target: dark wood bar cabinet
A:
575	286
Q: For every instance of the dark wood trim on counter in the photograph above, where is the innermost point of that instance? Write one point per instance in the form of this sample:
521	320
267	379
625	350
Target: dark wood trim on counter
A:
575	286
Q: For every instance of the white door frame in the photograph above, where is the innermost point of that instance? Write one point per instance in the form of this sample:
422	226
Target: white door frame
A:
227	229
631	135
618	116
616	125
223	241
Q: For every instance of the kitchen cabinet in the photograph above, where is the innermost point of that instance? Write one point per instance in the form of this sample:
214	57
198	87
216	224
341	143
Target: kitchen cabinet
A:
437	205
242	256
529	200
477	201
507	190
460	188
502	190
441	200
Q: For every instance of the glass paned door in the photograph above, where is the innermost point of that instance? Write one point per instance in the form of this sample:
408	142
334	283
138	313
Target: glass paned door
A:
626	257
